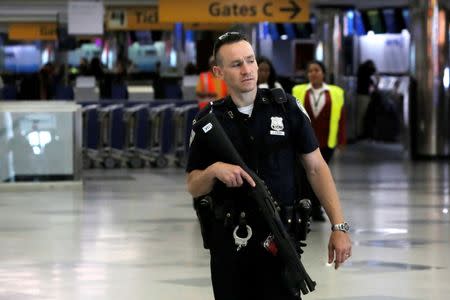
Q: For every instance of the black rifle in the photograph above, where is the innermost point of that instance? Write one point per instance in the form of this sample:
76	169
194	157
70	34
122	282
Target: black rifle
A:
211	132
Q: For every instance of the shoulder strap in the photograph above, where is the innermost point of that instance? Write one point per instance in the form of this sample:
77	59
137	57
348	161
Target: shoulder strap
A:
279	96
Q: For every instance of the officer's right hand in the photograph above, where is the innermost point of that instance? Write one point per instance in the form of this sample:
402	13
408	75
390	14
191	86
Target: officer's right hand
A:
232	175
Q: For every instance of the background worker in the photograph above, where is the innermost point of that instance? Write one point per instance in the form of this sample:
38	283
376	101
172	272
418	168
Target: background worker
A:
324	104
267	76
209	87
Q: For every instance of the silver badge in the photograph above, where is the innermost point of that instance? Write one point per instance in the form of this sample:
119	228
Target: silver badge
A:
277	123
277	126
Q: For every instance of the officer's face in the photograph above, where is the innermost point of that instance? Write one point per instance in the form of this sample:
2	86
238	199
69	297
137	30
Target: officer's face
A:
237	66
315	74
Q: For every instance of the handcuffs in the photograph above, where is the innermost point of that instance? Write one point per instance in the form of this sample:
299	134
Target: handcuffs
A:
241	242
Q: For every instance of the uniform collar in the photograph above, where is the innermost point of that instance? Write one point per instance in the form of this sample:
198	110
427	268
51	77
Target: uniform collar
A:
323	88
261	97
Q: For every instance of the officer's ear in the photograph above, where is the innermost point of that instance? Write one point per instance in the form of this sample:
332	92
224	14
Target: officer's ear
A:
218	72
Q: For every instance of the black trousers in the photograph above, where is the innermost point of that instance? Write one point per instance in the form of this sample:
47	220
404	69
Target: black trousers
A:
250	273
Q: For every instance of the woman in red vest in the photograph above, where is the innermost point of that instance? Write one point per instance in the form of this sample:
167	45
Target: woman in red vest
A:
325	106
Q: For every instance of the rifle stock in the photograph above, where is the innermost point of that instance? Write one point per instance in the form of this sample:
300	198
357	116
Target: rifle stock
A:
209	129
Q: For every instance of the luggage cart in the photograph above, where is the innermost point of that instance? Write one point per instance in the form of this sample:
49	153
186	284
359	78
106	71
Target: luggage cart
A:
135	118
91	155
111	131
159	123
182	123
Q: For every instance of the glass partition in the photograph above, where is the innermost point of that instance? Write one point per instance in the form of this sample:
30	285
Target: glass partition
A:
39	141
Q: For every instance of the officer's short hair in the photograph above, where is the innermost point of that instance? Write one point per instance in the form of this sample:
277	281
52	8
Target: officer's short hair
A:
227	38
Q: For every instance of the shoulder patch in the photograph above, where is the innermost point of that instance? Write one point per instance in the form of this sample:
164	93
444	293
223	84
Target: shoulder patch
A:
191	138
303	110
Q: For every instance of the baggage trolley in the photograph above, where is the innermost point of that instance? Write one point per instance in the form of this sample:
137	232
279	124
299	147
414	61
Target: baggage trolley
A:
134	139
111	130
157	130
182	123
91	155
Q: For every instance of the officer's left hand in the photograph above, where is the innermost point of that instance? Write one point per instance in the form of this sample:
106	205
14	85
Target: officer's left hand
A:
339	248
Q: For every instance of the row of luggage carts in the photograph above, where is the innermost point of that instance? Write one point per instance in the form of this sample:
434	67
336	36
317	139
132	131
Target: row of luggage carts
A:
136	135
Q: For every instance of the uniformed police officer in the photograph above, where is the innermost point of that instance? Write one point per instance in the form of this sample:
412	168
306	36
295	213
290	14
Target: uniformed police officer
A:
269	136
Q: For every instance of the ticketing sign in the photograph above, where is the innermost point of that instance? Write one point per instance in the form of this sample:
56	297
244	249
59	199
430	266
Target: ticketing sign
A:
135	18
229	11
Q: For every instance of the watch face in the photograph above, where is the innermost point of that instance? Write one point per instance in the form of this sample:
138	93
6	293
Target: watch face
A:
342	227
346	227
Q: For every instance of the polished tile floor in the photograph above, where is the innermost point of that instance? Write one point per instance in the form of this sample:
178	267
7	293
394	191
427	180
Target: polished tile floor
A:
132	234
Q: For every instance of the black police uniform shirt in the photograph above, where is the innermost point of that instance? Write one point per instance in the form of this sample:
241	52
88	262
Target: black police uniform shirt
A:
268	141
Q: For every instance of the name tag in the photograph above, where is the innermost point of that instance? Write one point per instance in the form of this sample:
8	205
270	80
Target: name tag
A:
207	127
275	132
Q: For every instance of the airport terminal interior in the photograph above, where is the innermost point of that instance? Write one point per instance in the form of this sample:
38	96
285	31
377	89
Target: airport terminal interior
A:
97	100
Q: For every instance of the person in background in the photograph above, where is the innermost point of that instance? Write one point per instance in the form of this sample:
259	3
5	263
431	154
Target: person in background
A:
190	69
325	106
366	84
269	137
209	87
46	82
157	84
267	77
96	68
83	68
102	78
120	72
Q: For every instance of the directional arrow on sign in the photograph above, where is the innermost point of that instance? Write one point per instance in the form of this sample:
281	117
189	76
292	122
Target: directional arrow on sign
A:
294	8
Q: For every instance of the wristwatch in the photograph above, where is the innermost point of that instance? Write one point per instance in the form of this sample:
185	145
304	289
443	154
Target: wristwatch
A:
344	227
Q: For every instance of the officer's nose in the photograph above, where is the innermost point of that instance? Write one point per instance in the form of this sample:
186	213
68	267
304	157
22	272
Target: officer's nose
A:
245	68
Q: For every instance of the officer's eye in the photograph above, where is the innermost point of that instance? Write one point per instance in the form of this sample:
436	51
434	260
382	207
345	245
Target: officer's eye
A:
250	61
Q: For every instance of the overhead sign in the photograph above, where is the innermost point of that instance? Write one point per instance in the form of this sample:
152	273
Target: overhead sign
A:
226	11
32	31
138	18
85	17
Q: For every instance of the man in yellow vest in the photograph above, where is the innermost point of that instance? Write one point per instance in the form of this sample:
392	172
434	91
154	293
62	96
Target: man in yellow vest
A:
209	87
325	106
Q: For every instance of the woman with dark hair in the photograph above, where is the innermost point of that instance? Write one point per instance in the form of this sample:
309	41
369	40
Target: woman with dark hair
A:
267	77
325	106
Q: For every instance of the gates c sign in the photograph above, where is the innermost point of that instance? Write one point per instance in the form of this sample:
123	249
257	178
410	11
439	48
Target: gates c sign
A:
238	11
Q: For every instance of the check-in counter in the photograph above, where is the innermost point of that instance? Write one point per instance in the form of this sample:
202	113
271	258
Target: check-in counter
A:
136	93
40	141
140	93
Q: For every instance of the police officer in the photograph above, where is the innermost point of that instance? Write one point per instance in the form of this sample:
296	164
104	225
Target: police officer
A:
269	136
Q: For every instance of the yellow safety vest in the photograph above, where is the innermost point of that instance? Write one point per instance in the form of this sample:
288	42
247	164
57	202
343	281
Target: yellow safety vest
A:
337	102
